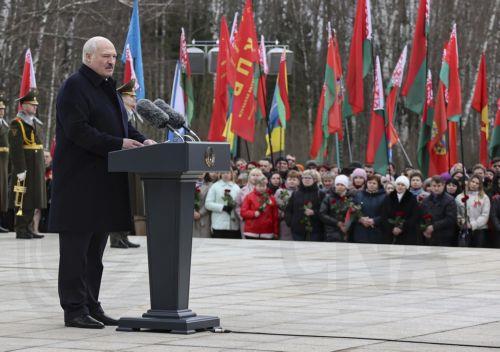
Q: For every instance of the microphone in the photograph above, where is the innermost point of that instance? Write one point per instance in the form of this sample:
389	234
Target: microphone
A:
154	115
176	120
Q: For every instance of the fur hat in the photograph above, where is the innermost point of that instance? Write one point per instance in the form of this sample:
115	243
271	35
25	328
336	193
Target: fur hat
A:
359	172
403	180
343	180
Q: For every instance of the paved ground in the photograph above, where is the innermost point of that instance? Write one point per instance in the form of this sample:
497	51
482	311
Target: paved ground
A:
273	296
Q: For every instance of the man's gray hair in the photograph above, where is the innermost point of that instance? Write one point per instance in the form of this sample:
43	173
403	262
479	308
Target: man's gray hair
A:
90	47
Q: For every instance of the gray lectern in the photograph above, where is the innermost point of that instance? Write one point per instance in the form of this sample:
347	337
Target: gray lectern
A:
169	172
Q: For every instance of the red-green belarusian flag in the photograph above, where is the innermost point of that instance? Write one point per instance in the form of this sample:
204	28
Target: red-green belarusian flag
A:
437	146
247	57
319	138
376	151
425	133
360	59
414	87
332	111
480	104
392	98
231	138
220	106
494	147
186	79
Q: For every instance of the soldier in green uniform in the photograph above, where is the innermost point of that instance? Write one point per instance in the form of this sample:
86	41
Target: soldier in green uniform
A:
26	157
4	162
120	239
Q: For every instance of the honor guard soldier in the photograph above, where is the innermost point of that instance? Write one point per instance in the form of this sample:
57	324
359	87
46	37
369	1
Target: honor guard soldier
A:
4	162
120	239
28	166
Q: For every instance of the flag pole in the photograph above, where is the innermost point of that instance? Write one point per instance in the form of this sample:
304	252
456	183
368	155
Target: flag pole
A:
268	122
337	148
348	140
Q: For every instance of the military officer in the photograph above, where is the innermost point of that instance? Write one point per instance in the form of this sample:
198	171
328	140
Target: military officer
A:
28	166
4	162
120	239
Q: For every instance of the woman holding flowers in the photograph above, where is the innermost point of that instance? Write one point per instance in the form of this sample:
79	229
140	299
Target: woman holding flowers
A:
400	214
260	213
478	211
367	220
282	197
303	208
201	224
221	201
333	211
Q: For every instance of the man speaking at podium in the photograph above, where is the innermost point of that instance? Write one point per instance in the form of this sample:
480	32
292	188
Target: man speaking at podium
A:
87	201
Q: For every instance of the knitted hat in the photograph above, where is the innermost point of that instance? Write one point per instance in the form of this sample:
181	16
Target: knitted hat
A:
359	173
343	180
403	180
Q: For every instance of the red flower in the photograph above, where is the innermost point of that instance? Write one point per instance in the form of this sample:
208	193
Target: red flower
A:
198	190
400	214
226	191
465	198
333	201
427	217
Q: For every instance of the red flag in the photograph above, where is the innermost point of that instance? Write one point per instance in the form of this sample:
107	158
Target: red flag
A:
480	104
28	80
335	64
247	55
454	95
360	57
220	107
393	92
318	138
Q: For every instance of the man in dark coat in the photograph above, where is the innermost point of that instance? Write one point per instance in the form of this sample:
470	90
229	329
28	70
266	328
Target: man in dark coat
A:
87	201
441	208
4	163
28	165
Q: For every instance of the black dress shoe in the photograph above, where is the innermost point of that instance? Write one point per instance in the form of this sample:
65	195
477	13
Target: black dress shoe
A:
24	235
130	244
119	244
36	235
103	318
3	229
84	322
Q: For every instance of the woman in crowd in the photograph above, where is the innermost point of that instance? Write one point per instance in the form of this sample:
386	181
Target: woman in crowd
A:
303	208
358	180
253	175
282	197
478	211
260	213
453	187
333	211
367	223
327	181
389	187
416	186
202	225
275	182
221	201
400	214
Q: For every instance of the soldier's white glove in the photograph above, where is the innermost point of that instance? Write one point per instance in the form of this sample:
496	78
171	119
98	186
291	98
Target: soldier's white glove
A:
21	176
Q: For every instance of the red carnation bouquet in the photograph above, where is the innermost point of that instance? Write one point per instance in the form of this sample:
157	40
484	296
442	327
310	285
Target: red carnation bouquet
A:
197	199
398	220
426	222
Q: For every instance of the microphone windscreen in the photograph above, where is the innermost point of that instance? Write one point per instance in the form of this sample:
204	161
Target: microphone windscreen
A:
151	113
176	120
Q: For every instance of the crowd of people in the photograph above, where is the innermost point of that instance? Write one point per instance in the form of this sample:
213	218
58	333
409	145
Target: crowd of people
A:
313	202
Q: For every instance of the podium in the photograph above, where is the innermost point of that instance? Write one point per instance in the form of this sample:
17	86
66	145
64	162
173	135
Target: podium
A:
169	172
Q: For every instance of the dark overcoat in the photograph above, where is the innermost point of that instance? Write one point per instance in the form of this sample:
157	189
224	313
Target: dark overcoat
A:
4	167
91	122
443	210
371	206
409	206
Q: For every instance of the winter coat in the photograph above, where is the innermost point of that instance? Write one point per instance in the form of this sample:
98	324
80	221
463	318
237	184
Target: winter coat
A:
495	220
443	210
294	214
221	220
202	227
478	210
330	217
371	206
91	122
282	197
408	207
267	222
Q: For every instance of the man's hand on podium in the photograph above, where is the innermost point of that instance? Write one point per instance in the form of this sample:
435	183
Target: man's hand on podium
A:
149	142
130	143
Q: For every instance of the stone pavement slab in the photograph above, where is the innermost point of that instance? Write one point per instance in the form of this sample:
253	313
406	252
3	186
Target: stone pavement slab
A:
270	296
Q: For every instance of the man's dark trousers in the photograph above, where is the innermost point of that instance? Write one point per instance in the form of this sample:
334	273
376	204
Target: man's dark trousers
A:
80	272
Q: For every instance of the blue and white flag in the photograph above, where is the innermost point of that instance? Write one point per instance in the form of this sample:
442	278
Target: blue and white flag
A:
134	43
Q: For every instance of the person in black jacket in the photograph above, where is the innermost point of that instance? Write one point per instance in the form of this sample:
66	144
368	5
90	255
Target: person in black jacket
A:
441	209
333	211
303	208
87	201
400	214
495	212
368	228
